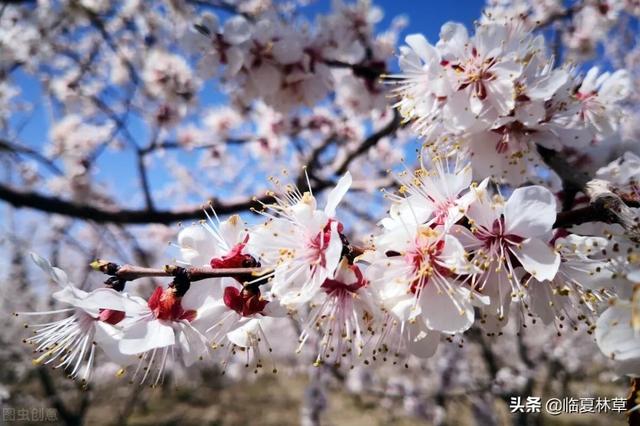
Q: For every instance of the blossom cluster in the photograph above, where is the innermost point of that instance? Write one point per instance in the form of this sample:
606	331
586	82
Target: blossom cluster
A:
451	252
470	238
289	81
618	326
497	96
288	65
589	22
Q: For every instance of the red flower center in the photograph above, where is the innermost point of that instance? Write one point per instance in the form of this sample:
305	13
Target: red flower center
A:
320	242
339	288
497	235
111	316
425	262
165	305
237	259
245	302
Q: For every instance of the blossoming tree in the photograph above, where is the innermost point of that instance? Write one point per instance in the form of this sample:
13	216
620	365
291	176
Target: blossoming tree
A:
506	156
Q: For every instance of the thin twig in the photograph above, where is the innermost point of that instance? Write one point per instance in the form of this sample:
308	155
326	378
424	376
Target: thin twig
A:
195	273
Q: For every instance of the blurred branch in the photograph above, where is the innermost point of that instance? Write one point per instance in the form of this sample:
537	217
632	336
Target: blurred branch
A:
633	402
561	15
221	5
366	71
69	418
177	145
51	204
11	147
144	182
371	141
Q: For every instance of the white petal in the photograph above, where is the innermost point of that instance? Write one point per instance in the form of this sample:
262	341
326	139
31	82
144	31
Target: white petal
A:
244	335
143	336
501	93
454	256
442	314
235	60
266	78
333	251
211	22
530	211
211	314
336	194
403	307
236	30
538	258
540	300
545	87
614	333
56	274
202	293
465	237
454	38
483	211
274	309
192	343
422	47
108	338
232	231
287	51
103	298
197	246
70	294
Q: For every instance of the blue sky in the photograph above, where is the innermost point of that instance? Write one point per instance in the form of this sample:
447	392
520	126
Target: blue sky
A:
427	16
424	16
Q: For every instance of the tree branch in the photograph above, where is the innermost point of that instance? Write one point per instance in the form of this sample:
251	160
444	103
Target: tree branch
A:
10	147
605	204
371	141
144	182
194	273
49	204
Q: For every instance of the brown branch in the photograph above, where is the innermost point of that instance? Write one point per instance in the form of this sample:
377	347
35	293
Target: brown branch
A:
570	175
368	72
606	205
50	204
581	215
194	273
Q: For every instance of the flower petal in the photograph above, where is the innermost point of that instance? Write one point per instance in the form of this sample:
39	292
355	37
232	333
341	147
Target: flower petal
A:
337	193
143	336
538	259
192	344
244	335
56	274
442	313
530	211
614	333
